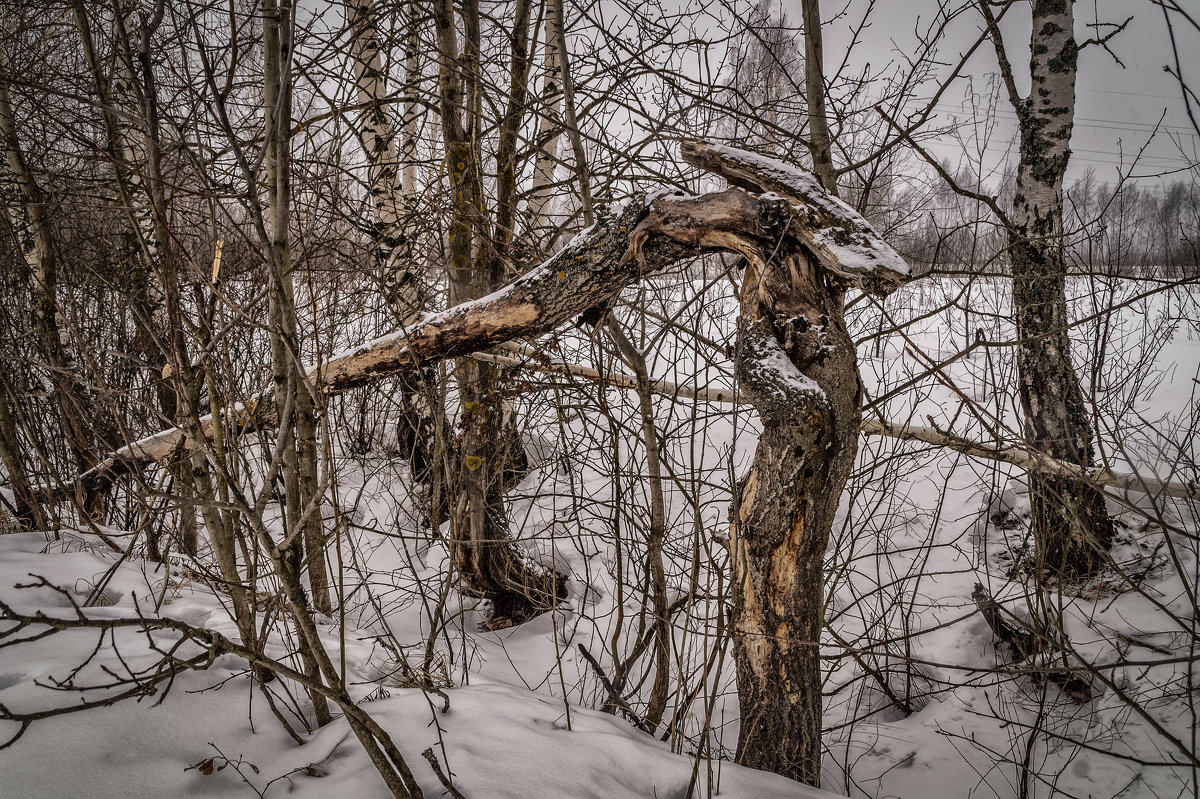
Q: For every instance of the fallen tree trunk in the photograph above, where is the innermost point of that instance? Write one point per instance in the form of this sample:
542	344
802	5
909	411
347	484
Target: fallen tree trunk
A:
1015	454
589	272
1034	461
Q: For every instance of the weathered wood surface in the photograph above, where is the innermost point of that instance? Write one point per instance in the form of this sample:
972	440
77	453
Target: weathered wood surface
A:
794	360
835	234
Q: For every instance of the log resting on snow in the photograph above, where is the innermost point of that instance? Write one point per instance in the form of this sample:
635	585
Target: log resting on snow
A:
1032	460
523	357
626	244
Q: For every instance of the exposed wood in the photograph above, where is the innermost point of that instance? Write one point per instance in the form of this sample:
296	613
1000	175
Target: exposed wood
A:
795	361
834	233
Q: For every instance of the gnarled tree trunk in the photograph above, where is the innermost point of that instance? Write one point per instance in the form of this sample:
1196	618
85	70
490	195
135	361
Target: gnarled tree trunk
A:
487	447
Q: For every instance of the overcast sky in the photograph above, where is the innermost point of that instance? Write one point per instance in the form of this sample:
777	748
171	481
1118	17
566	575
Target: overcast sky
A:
1118	108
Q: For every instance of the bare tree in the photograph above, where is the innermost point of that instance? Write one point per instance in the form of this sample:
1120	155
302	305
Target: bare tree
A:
27	204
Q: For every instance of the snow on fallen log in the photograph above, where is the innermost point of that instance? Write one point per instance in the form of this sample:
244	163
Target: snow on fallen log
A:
588	272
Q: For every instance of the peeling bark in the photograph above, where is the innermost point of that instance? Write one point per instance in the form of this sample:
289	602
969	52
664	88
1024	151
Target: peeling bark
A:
796	363
394	202
391	181
27	203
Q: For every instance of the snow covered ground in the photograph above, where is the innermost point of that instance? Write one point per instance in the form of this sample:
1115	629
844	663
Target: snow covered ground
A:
919	702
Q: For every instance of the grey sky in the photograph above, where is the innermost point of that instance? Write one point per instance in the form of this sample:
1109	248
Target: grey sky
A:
1118	107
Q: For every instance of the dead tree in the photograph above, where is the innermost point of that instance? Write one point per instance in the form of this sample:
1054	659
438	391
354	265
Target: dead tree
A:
795	362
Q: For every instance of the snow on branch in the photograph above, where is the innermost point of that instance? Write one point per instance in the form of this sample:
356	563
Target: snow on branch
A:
633	240
588	272
840	239
1032	460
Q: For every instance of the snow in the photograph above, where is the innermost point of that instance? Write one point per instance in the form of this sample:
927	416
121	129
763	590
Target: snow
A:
498	738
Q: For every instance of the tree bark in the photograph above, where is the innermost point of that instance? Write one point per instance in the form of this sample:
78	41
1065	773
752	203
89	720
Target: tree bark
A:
29	512
131	120
558	16
487	446
656	535
27	203
303	547
548	133
590	271
795	362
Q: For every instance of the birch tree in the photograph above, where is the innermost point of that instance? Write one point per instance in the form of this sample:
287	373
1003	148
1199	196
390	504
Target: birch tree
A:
391	155
28	204
1070	522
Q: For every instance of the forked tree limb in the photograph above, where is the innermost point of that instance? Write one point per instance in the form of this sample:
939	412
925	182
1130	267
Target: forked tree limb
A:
590	272
498	318
840	239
